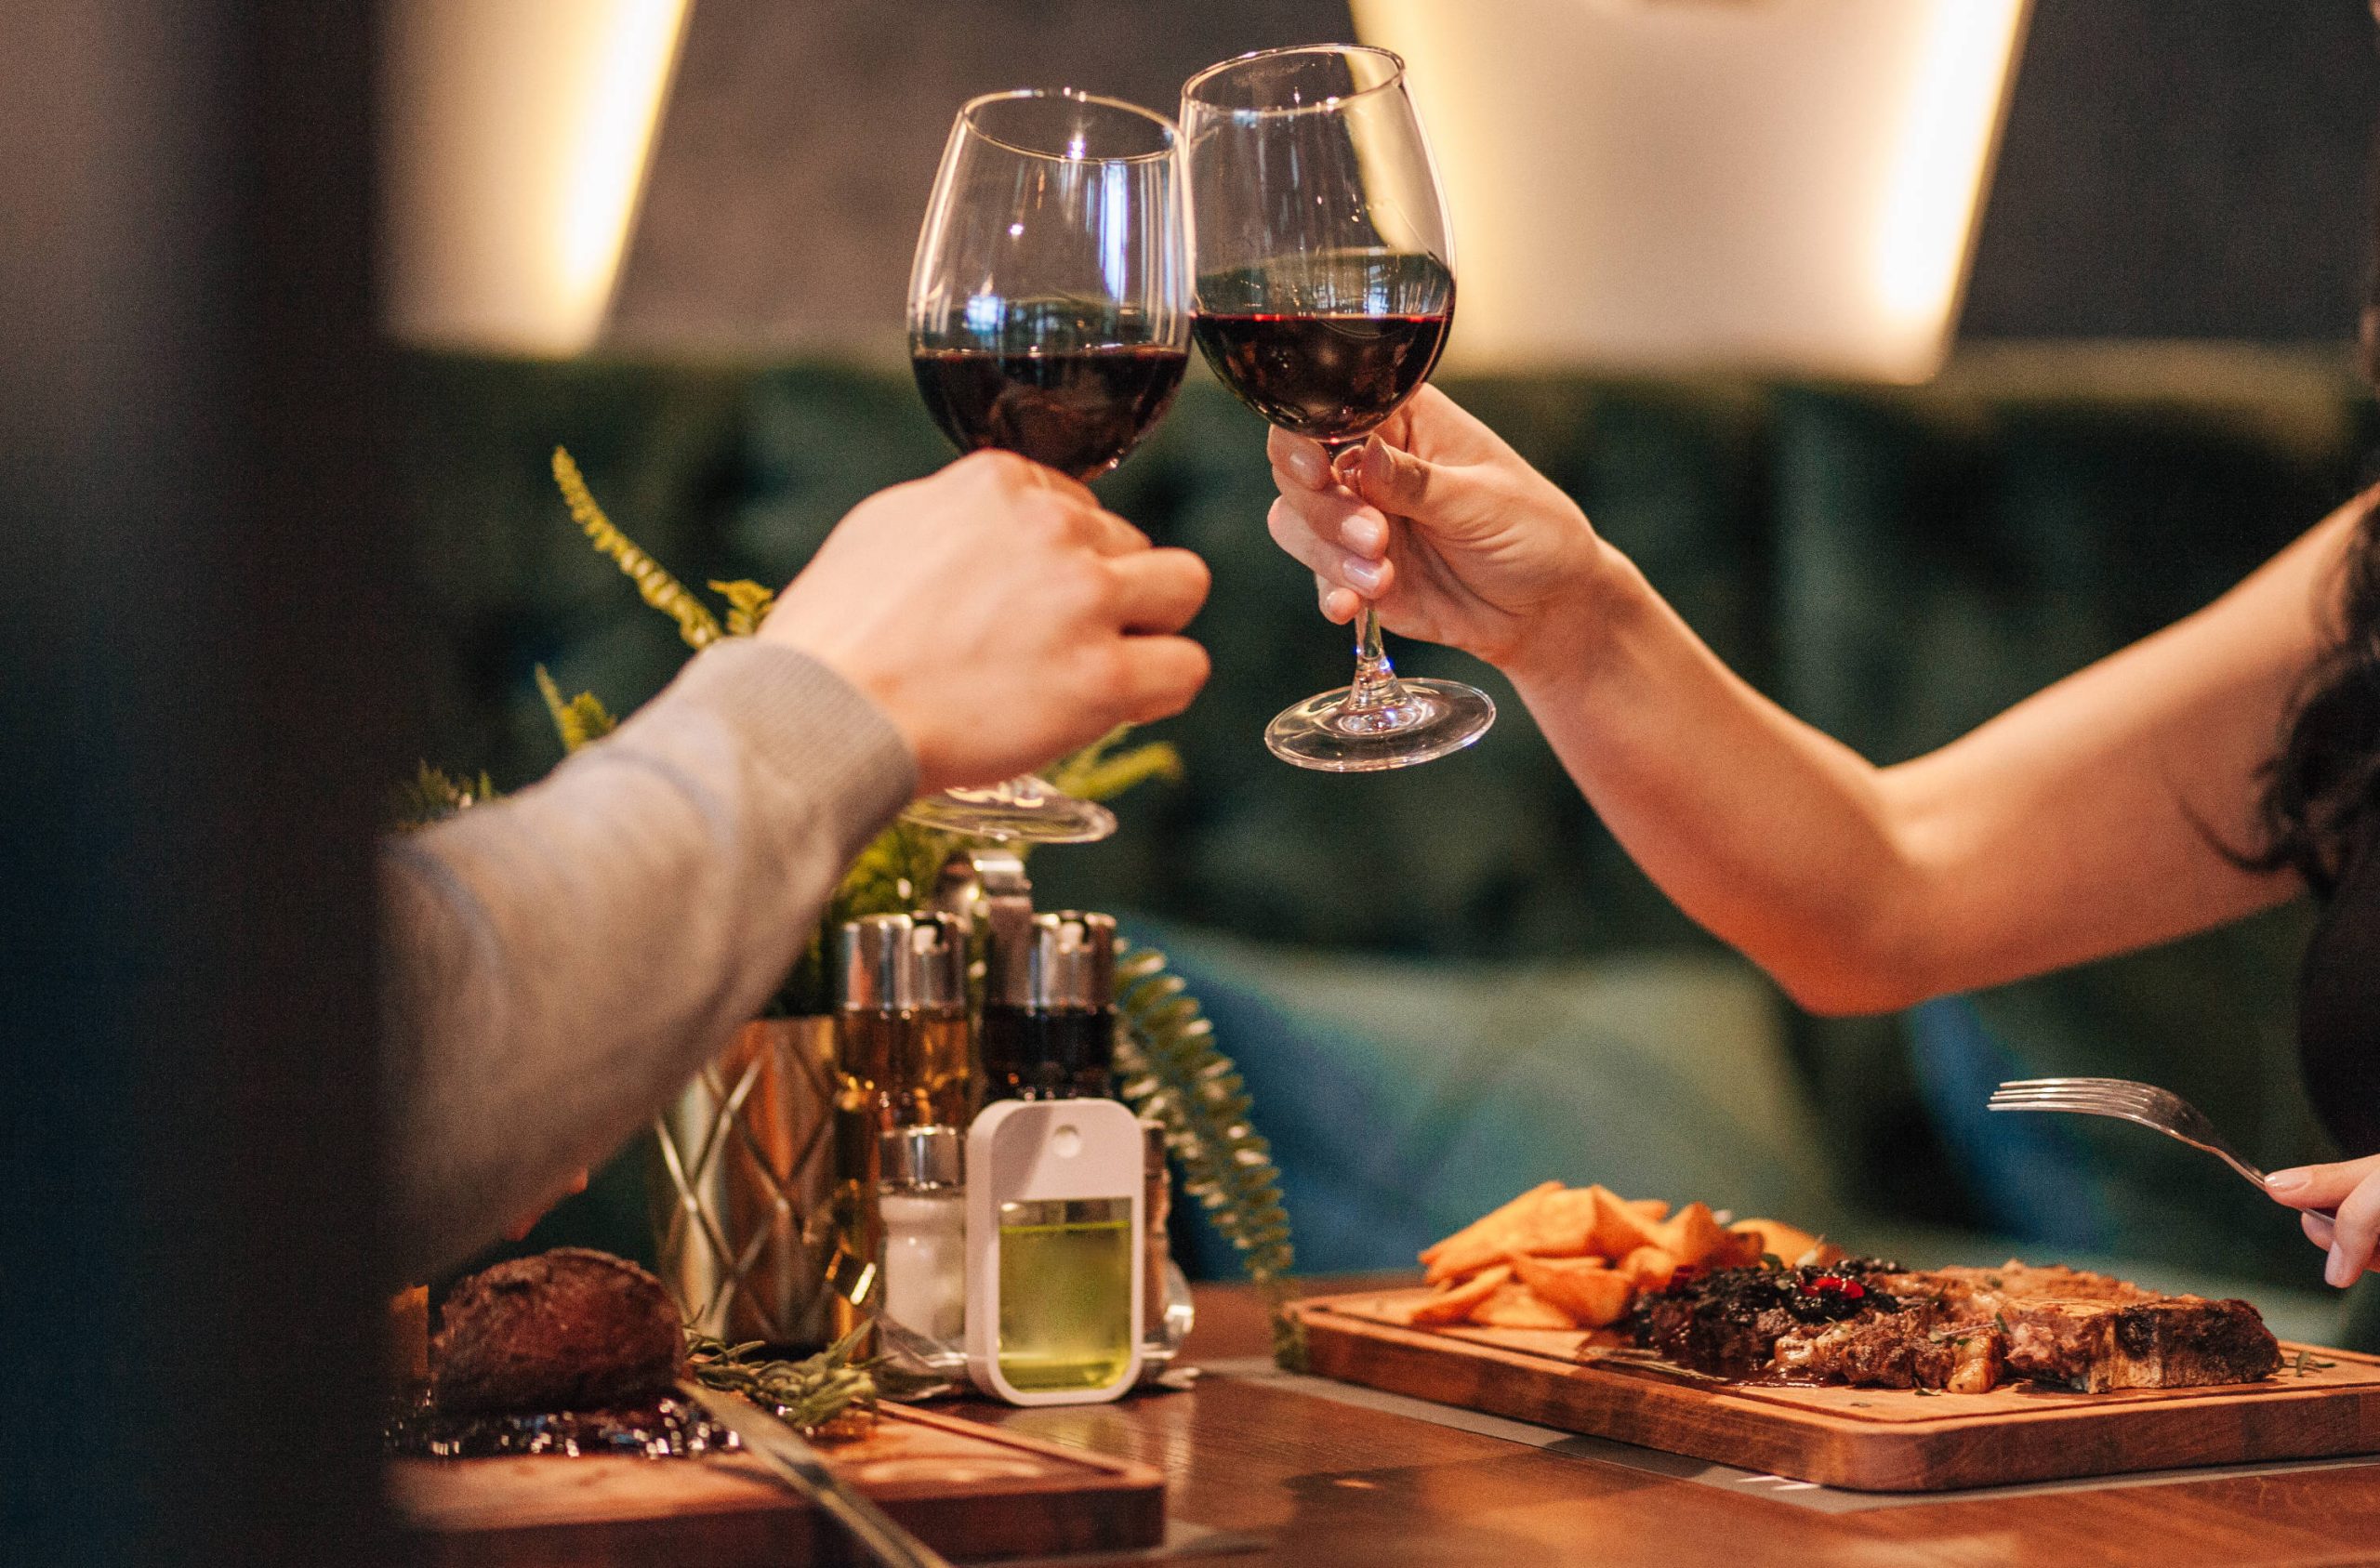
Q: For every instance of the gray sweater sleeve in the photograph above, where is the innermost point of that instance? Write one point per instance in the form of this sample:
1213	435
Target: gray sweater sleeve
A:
561	961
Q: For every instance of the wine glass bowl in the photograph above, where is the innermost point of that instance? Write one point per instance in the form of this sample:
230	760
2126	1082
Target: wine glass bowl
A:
1323	290
1049	316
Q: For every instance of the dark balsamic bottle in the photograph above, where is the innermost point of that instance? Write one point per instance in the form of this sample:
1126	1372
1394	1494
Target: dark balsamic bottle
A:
1049	1027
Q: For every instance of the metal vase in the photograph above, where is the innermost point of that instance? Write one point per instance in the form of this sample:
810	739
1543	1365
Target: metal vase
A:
741	1181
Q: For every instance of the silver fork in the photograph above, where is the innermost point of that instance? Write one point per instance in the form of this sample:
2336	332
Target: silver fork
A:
2142	1104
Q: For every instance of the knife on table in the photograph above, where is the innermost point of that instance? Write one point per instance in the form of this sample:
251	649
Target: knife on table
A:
792	1460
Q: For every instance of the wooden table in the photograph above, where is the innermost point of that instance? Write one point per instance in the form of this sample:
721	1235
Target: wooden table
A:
1324	1484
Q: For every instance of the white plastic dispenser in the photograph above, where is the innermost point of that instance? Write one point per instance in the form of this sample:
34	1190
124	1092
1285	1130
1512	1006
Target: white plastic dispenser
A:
1054	1236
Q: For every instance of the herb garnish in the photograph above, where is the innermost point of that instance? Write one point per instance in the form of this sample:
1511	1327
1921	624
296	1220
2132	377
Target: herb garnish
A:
809	1395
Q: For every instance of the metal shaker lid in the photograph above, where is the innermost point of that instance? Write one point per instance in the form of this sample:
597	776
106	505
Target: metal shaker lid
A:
1066	959
928	1156
894	962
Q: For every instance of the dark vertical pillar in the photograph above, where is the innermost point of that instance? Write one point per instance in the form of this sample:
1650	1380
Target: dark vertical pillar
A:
197	606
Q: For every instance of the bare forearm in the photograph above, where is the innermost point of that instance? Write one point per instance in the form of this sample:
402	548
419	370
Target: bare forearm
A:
2100	815
1778	839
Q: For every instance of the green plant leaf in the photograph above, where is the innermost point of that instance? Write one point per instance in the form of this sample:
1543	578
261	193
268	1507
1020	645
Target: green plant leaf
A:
696	626
748	605
1099	772
577	721
1171	1072
431	796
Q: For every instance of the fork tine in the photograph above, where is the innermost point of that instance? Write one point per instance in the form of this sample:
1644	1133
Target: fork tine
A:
2061	1097
2131	1095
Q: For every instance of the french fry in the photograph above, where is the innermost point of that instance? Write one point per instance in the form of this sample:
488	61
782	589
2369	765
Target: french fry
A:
1651	1210
1454	1305
1593	1293
1648	1268
1556	1223
1490	1221
1513	1305
1789	1243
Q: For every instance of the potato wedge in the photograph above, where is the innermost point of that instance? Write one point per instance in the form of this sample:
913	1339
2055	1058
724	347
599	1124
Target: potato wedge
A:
1789	1243
1454	1304
1592	1293
1648	1268
1515	1305
1619	1227
1545	1224
1492	1219
1697	1240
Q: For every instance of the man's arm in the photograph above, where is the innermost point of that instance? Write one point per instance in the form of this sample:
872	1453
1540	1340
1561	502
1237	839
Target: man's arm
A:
563	960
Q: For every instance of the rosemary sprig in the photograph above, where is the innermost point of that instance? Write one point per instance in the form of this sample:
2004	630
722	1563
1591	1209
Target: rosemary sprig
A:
807	1394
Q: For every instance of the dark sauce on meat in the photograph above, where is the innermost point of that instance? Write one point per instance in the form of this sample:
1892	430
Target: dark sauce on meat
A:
663	1429
1727	1321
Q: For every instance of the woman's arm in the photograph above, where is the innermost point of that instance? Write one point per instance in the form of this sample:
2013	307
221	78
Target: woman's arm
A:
2084	821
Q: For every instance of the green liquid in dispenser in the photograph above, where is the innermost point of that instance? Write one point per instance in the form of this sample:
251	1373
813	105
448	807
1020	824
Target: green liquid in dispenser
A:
1065	1293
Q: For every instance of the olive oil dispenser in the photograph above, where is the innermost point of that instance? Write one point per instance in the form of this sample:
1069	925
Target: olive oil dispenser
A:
1054	1239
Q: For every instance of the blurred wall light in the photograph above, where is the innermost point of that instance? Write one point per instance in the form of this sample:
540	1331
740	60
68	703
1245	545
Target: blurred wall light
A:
517	137
1786	185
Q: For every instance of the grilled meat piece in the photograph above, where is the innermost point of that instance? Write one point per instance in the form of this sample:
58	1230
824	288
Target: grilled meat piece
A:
1879	1325
1728	1322
1918	1347
570	1329
2096	1333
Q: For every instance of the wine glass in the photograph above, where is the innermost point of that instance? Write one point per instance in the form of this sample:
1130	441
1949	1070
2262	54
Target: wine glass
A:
1323	288
1049	316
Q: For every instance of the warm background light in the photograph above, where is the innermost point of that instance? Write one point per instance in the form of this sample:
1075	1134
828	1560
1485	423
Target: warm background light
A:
1774	184
518	136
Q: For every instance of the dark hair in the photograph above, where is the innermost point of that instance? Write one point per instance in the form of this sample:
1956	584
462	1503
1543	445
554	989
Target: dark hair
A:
2324	785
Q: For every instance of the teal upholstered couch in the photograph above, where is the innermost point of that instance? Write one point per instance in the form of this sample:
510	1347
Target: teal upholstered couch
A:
1446	983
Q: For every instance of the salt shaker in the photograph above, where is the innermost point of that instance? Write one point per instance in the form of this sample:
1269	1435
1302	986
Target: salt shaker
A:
922	1203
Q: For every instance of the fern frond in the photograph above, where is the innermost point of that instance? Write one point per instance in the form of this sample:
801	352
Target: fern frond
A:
748	605
431	796
1170	1071
1099	772
696	625
578	721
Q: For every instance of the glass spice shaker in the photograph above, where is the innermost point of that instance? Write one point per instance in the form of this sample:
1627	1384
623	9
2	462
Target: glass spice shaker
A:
922	1203
902	1058
901	1045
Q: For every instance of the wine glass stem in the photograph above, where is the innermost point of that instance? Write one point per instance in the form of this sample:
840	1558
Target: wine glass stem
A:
1375	686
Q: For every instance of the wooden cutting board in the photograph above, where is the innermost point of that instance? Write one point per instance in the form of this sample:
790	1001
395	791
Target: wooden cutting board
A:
1868	1440
967	1490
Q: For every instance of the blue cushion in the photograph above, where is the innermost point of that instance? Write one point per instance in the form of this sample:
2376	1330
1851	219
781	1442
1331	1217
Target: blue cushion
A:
1403	1099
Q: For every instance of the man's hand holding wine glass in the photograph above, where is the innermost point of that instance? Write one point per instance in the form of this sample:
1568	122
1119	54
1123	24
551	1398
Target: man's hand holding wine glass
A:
1443	527
1000	617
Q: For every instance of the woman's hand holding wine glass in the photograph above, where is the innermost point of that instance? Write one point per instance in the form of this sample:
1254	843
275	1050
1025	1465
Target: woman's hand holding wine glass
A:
1443	529
1325	289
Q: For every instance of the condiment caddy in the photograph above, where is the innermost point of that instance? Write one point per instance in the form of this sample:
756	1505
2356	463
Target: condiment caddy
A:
1012	1212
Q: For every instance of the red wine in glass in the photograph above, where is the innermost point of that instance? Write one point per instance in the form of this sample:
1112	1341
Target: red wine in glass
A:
1328	373
1323	294
1049	316
1077	410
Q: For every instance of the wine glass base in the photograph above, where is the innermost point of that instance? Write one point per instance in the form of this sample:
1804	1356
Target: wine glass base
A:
1433	719
1025	809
